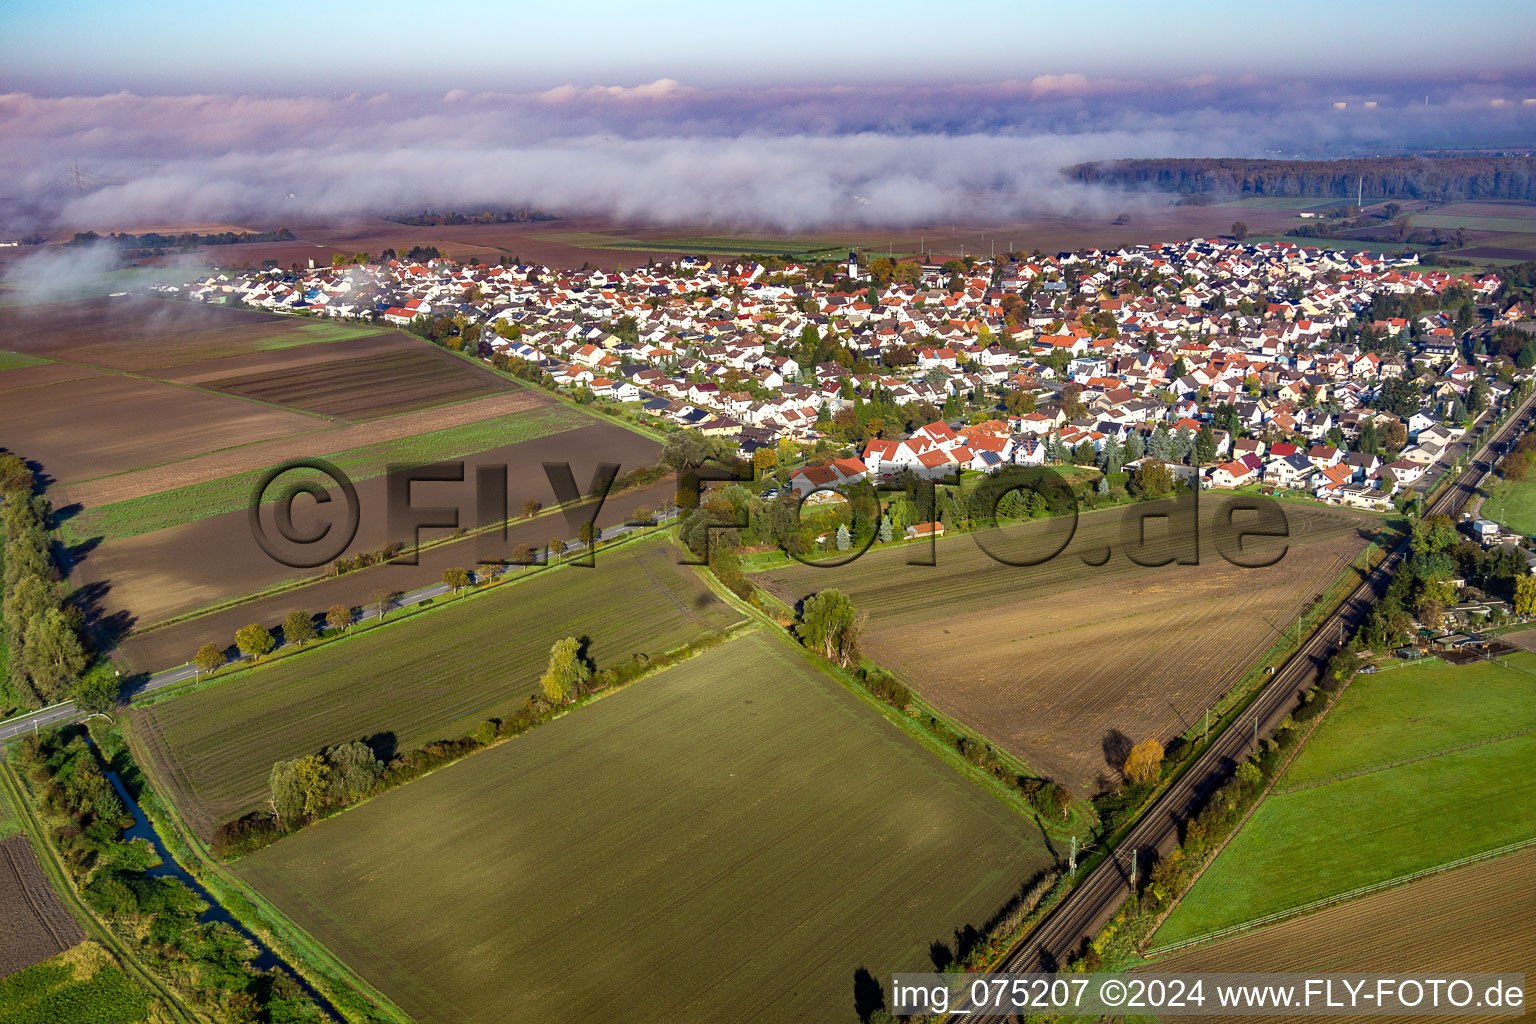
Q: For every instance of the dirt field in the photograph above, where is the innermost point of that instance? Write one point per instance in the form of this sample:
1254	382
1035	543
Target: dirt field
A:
142	580
173	644
360	379
139	333
34	925
134	422
1477	918
261	454
1053	661
195	379
43	373
577	240
735	839
433	676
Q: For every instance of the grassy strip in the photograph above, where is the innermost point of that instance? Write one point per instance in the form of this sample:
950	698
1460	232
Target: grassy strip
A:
349	993
48	858
181	505
300	584
369	625
14	360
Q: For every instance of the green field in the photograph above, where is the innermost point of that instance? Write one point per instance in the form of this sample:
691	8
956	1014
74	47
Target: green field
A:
1417	710
1340	244
1513	503
73	986
429	677
232	493
313	332
14	360
1444	221
1344	816
730	840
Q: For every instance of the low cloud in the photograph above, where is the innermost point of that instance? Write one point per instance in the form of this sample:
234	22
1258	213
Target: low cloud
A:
786	158
57	272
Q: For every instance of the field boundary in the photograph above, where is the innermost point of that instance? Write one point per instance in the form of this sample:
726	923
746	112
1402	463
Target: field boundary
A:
705	641
401	614
907	723
1381	766
278	589
1343	897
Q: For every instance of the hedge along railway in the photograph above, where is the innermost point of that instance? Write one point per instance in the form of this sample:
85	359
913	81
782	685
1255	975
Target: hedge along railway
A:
1342	818
1050	661
600	857
434	676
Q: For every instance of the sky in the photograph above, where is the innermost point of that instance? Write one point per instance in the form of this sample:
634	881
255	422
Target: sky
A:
783	115
282	45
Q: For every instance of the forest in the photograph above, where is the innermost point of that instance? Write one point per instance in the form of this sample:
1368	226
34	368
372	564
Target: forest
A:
1433	178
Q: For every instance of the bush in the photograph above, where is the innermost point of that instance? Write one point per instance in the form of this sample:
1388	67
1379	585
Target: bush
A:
1051	800
886	687
246	835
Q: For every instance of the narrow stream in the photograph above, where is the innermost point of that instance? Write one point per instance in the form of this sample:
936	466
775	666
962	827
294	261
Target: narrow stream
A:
265	960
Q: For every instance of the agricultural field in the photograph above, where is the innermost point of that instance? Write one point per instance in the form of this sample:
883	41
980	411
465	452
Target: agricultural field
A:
139	334
537	417
1285	203
361	379
34	925
1059	662
15	360
135	422
433	676
338	441
169	381
1475	918
173	643
1414	768
145	579
82	985
605	242
191	404
735	839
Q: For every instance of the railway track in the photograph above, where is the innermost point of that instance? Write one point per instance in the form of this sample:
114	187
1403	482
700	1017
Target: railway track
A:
1087	908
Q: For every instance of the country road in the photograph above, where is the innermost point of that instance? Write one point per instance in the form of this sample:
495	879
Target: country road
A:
1088	907
67	712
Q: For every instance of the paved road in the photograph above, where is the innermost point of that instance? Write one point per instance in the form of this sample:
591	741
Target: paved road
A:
1086	909
67	712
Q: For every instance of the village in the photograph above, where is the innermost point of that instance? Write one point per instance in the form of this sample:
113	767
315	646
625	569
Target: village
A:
1347	378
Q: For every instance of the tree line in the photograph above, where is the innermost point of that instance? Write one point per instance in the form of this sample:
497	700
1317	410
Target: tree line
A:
453	218
1433	178
45	651
185	239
